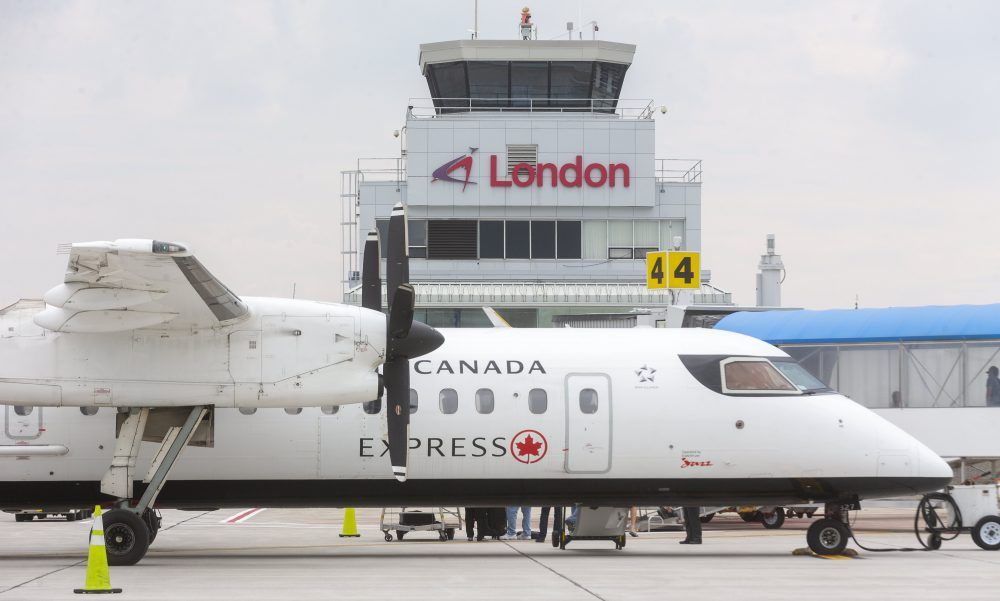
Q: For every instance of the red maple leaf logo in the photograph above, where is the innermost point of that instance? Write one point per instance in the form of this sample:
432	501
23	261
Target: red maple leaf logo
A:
529	446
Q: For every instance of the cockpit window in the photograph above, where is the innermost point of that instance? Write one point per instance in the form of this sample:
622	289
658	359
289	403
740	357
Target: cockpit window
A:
753	374
800	376
739	376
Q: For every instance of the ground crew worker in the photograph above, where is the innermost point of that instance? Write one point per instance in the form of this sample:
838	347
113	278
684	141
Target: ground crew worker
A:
692	526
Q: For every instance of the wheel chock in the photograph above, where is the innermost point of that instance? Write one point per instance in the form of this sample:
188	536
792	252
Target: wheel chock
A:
806	551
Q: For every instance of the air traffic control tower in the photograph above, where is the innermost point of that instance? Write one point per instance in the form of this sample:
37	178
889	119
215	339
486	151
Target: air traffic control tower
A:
531	187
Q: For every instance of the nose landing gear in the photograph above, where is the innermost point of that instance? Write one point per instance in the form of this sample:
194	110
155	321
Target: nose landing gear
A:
830	535
827	536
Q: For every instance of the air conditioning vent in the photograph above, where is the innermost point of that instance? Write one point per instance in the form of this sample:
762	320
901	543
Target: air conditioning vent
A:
452	239
521	153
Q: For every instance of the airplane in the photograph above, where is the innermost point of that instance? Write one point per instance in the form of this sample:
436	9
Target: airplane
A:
503	416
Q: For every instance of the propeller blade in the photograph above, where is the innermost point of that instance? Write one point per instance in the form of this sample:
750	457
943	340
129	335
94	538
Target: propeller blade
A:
396	373
405	338
397	266
371	279
400	315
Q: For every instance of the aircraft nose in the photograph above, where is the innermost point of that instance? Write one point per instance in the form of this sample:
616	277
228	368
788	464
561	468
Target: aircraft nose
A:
931	465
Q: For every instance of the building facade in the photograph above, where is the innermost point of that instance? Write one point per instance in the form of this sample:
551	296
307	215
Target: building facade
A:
531	186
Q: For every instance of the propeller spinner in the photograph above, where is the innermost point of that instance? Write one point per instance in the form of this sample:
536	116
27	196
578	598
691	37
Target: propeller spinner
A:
405	338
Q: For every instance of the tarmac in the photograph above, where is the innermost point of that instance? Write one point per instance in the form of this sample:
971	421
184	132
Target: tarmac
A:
280	554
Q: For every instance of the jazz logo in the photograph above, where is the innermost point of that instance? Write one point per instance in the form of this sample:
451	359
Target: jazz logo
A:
673	270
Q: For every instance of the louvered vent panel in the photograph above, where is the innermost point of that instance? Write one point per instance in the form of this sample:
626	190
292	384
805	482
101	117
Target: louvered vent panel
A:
521	153
452	239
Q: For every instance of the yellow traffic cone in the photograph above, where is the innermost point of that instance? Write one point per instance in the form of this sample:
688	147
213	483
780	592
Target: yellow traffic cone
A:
350	527
98	579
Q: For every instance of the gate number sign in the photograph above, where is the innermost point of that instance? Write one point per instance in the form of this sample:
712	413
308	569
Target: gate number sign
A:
673	270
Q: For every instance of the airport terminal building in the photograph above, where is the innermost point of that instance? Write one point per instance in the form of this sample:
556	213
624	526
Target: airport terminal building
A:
532	187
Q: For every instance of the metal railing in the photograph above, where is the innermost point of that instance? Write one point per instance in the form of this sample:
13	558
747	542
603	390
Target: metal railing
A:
425	108
391	170
678	170
539	294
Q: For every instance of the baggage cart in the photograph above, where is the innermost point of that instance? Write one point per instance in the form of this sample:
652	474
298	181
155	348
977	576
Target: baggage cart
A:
592	523
401	520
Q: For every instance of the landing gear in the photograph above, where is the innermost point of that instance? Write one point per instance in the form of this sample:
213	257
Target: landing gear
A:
126	537
152	519
828	536
128	530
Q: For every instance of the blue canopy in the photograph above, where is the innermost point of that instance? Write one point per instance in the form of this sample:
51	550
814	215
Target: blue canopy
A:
894	324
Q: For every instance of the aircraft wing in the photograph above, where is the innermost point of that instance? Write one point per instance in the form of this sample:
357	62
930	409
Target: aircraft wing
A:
130	284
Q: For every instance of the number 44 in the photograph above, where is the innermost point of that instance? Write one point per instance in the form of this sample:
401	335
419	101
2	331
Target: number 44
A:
673	270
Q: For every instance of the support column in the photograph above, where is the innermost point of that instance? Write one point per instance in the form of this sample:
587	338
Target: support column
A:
173	443
117	481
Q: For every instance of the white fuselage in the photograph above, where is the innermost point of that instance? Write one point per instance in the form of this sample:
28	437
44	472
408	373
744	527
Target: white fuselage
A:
654	434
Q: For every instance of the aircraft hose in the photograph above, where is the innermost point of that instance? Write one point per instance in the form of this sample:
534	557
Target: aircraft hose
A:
941	526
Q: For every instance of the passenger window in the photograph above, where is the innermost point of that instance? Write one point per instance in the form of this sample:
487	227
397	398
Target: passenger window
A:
484	400
372	407
22	410
330	409
89	410
293	410
588	400
414	401
248	410
448	400
753	375
538	401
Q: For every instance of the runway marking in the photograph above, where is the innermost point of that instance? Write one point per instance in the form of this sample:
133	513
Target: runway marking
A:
243	515
556	572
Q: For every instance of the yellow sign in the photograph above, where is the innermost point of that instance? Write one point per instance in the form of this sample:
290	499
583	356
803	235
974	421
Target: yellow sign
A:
656	270
684	270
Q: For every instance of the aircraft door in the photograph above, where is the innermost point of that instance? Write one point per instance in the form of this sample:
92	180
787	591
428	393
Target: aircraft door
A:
588	423
23	422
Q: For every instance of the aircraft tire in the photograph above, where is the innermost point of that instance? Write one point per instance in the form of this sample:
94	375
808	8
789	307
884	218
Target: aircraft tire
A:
706	518
827	537
126	537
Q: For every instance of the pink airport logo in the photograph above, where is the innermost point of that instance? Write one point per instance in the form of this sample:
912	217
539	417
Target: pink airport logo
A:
444	172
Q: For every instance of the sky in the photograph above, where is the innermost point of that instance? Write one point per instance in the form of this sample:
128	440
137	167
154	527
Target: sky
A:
864	135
